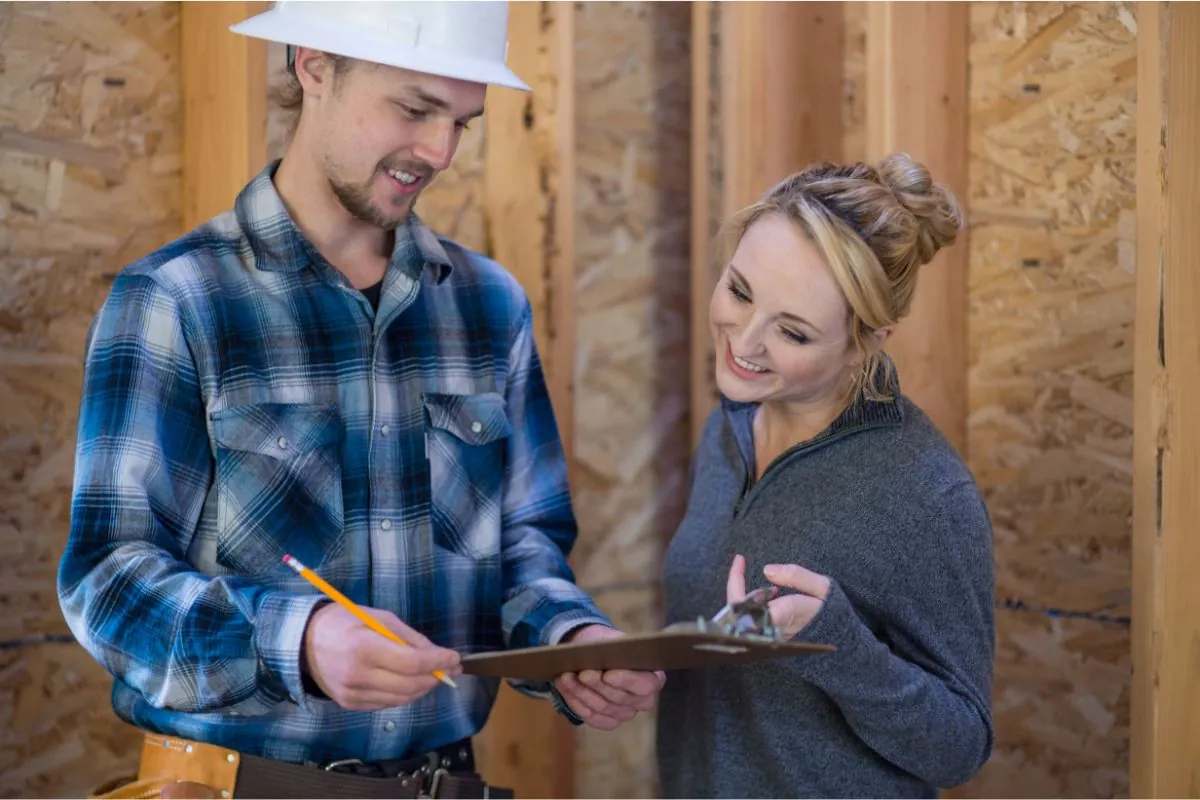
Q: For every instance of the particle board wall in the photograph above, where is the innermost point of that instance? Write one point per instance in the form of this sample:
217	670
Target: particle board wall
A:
89	181
633	95
1052	104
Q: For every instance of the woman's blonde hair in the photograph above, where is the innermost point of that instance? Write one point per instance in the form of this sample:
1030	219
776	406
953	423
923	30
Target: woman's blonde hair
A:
875	225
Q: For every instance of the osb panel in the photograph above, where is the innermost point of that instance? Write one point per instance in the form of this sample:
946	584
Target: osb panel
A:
452	205
633	95
854	71
1051	314
89	181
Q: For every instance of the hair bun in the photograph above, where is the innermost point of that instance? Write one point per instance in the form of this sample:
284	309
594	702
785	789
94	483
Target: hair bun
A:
938	215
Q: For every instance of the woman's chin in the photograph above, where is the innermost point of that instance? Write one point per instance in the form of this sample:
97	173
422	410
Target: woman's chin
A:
740	391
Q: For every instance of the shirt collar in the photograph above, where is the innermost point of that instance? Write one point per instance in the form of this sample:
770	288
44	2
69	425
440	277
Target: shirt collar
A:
280	246
862	413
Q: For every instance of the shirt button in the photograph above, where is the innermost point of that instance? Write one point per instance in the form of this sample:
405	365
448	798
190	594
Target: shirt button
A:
283	443
385	430
476	426
386	524
389	726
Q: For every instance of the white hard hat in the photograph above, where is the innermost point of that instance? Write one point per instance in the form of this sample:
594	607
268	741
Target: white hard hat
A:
455	39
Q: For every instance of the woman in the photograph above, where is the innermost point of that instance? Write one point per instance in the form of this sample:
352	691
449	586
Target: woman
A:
819	475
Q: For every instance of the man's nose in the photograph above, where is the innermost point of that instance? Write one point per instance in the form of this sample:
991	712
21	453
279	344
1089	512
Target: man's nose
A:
436	148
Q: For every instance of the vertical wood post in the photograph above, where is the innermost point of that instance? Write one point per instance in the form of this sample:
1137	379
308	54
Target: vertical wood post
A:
529	210
1165	695
781	69
224	87
917	103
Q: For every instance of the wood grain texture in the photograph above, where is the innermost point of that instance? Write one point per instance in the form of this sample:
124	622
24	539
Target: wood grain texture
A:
1166	694
89	182
768	99
633	98
1050	321
224	85
917	103
528	214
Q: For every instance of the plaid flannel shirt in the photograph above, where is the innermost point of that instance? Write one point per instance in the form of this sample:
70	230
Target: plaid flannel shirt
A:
241	401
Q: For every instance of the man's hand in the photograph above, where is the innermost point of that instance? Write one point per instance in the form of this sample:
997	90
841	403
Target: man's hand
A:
604	700
360	670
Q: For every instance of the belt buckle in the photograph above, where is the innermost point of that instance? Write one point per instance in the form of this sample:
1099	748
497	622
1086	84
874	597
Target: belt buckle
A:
341	762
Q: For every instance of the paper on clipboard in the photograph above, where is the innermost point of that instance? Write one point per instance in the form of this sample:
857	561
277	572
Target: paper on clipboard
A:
740	633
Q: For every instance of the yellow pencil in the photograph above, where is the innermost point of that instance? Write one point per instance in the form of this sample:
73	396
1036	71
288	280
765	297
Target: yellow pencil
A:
348	604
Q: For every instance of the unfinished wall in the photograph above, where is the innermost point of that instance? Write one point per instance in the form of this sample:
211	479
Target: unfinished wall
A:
631	425
1051	314
89	181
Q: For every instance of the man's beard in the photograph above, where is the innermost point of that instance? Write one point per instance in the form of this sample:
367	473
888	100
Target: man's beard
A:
357	201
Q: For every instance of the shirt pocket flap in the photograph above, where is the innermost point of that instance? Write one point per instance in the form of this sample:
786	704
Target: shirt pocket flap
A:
476	419
280	430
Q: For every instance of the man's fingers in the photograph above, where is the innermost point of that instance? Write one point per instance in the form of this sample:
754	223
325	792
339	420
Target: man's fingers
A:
638	685
793	576
593	701
397	626
735	587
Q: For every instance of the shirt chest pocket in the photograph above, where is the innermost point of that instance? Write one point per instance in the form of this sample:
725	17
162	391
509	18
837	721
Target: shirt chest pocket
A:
278	484
465	441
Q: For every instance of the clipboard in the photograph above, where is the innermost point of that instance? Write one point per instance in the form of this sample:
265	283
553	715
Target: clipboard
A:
740	633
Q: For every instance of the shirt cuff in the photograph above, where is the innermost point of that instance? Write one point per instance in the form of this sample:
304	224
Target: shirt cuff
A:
566	622
279	641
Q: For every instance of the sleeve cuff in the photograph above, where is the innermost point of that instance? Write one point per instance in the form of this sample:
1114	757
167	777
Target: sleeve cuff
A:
835	624
279	641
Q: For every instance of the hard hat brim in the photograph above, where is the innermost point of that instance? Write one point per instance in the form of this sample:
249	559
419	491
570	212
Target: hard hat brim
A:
293	29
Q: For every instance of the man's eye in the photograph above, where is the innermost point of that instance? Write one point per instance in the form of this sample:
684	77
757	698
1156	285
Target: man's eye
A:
415	113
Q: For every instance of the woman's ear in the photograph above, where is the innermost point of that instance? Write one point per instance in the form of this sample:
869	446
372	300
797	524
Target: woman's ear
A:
877	337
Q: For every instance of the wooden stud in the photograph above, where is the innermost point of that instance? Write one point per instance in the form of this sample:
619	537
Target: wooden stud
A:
701	233
781	68
1165	696
529	210
224	85
917	103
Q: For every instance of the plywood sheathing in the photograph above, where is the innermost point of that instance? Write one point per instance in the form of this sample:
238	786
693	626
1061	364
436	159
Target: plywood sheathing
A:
1051	292
631	412
89	181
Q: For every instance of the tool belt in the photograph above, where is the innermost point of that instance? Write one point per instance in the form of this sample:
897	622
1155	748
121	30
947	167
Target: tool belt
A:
180	768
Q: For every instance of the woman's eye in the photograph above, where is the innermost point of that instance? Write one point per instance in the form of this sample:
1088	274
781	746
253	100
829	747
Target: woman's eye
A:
738	294
798	338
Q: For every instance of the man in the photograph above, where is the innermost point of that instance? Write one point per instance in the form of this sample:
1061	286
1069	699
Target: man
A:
315	373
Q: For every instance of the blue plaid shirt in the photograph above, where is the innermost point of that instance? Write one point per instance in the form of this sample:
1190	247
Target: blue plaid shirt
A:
241	401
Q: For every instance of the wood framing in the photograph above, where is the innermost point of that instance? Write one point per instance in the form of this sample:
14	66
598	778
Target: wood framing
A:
780	109
224	85
917	103
529	211
1165	696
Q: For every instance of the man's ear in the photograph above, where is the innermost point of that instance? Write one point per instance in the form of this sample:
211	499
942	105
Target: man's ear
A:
313	70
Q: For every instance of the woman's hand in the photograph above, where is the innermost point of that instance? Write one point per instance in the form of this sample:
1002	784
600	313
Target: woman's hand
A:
791	612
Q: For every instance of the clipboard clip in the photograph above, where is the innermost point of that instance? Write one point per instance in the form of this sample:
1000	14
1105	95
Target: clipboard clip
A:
748	618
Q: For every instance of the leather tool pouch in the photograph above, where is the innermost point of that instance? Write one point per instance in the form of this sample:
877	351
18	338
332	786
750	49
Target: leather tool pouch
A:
177	768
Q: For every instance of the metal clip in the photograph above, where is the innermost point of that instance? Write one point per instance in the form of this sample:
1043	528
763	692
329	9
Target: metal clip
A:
748	617
344	762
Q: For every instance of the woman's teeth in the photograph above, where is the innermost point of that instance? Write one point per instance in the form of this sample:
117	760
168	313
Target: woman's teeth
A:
746	365
407	178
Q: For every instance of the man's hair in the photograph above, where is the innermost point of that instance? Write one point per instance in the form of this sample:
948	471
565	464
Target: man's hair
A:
288	94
